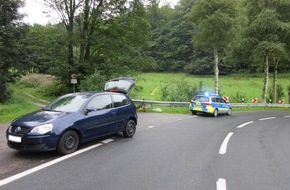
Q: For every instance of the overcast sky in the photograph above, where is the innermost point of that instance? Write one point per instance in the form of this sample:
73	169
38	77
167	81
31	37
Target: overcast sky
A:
34	10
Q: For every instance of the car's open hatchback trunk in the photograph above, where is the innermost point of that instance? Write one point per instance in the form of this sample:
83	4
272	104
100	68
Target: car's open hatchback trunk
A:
121	84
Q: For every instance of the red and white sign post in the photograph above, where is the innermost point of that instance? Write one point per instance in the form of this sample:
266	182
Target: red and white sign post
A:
226	99
255	100
281	101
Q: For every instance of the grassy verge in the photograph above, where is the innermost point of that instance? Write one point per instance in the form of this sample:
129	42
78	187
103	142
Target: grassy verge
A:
17	106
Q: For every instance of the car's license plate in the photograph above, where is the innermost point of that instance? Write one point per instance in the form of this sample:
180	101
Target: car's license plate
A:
14	139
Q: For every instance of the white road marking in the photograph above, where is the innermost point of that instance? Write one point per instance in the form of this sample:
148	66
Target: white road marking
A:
243	125
287	116
267	118
221	184
223	148
107	141
40	167
150	127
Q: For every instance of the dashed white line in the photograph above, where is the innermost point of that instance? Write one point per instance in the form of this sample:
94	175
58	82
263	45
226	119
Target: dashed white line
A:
150	127
243	125
221	184
267	118
223	148
107	141
287	116
40	167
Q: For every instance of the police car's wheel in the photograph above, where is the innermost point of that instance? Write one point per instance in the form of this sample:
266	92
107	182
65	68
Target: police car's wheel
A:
193	112
215	113
230	111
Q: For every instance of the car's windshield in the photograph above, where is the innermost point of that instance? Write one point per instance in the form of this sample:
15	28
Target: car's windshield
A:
68	103
201	99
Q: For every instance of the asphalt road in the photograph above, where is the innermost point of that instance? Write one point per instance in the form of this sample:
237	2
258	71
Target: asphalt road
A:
244	151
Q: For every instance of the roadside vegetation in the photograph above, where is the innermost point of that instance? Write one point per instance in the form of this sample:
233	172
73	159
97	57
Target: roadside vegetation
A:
35	90
238	49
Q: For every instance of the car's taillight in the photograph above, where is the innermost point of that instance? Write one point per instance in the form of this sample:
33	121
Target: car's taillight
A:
207	103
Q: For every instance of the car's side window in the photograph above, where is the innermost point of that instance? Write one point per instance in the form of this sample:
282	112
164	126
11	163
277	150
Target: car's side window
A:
120	100
213	99
100	102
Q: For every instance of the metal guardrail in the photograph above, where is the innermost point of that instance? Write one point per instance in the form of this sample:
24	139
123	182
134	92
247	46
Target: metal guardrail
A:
167	103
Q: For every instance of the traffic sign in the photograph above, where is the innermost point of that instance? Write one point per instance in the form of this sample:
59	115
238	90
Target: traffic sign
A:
226	99
255	100
281	101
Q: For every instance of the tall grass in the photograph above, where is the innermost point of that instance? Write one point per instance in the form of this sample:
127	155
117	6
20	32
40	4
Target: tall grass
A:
234	86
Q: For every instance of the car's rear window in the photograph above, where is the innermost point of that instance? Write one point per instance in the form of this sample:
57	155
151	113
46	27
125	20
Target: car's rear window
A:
201	99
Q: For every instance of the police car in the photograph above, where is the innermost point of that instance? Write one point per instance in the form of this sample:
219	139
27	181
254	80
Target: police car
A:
209	103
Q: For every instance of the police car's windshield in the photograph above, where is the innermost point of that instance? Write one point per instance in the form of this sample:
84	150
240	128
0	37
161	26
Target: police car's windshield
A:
201	98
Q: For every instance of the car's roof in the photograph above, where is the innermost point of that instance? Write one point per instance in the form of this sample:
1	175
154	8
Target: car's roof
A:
90	93
209	95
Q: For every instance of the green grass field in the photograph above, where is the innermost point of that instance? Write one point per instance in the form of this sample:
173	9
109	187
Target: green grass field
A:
249	86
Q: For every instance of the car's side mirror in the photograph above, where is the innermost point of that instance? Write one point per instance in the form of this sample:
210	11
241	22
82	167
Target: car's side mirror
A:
90	109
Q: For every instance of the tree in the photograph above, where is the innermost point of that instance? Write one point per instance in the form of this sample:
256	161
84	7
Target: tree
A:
11	33
122	42
86	23
67	11
266	35
215	20
46	48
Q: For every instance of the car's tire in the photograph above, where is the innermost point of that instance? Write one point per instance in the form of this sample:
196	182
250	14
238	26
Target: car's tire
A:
193	112
215	113
229	112
130	129
68	143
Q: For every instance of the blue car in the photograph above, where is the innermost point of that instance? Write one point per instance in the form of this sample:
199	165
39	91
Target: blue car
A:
76	118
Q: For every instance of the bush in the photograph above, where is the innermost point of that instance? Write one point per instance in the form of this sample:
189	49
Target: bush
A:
280	93
238	97
180	91
94	82
34	80
53	89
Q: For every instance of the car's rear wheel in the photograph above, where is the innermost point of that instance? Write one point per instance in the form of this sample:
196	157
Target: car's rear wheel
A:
68	143
230	111
130	129
215	113
193	112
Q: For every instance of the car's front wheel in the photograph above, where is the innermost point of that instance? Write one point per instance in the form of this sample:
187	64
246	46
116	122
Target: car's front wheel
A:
130	128
68	143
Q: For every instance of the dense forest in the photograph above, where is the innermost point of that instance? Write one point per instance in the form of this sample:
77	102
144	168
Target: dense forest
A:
99	39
